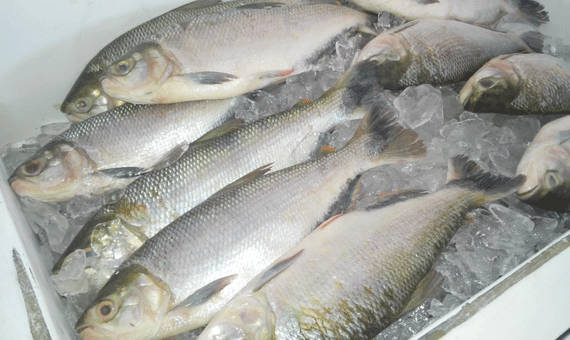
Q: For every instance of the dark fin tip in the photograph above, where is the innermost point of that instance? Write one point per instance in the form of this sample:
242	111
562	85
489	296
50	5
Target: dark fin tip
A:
534	12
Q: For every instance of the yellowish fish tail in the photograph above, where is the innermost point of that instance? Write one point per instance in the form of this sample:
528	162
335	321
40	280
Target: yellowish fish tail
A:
467	174
384	139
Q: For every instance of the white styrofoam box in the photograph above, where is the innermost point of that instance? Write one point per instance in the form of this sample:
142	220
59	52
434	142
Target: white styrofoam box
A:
45	47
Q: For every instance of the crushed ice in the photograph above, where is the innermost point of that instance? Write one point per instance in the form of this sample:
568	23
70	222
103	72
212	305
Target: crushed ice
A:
503	233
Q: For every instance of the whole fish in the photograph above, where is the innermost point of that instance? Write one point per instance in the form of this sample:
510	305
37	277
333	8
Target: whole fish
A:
546	165
154	200
478	12
440	51
110	150
225	54
86	98
355	273
522	83
184	274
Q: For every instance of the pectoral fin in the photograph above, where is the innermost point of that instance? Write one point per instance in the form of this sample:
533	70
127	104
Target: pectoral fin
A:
426	289
275	74
208	78
206	293
171	157
123	173
221	130
261	5
275	270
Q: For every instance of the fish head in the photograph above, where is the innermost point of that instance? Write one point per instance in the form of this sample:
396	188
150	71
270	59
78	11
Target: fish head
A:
130	306
87	99
391	54
140	73
547	172
52	174
106	239
246	317
491	88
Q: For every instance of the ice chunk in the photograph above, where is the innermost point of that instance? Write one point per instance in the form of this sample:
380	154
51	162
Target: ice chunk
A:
420	104
387	20
55	129
72	279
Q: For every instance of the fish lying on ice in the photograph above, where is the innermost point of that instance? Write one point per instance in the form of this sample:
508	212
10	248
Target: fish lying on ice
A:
355	273
110	150
184	274
440	51
517	84
478	12
158	198
546	165
228	53
86	98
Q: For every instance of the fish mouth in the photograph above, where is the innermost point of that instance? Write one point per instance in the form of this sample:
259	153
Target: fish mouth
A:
12	178
468	98
525	195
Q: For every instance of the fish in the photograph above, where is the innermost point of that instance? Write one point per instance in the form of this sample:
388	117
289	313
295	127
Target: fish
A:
478	12
191	268
354	275
519	84
110	150
86	98
153	201
440	51
225	54
545	163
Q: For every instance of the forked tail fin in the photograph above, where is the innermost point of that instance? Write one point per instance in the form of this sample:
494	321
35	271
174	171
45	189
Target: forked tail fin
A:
466	173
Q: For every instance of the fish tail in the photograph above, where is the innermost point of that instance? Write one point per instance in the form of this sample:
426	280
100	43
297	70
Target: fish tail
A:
384	140
534	40
359	86
466	173
533	12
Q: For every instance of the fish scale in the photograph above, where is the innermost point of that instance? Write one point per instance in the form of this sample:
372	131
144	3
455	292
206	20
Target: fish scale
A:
225	54
355	273
156	199
87	85
437	51
241	229
115	147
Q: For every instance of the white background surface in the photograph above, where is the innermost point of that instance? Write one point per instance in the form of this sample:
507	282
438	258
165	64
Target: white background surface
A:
46	45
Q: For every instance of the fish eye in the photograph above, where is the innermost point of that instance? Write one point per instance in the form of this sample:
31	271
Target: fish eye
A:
552	179
106	310
83	105
33	168
123	67
487	83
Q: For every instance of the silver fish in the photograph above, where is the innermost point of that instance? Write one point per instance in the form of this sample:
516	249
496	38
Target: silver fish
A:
86	98
225	54
478	12
355	273
110	150
186	272
153	201
546	165
440	51
522	83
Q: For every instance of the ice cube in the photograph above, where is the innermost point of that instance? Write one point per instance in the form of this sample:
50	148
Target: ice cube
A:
387	20
419	104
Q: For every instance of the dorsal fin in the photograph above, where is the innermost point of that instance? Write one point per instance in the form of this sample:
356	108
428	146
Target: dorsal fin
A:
221	130
275	270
